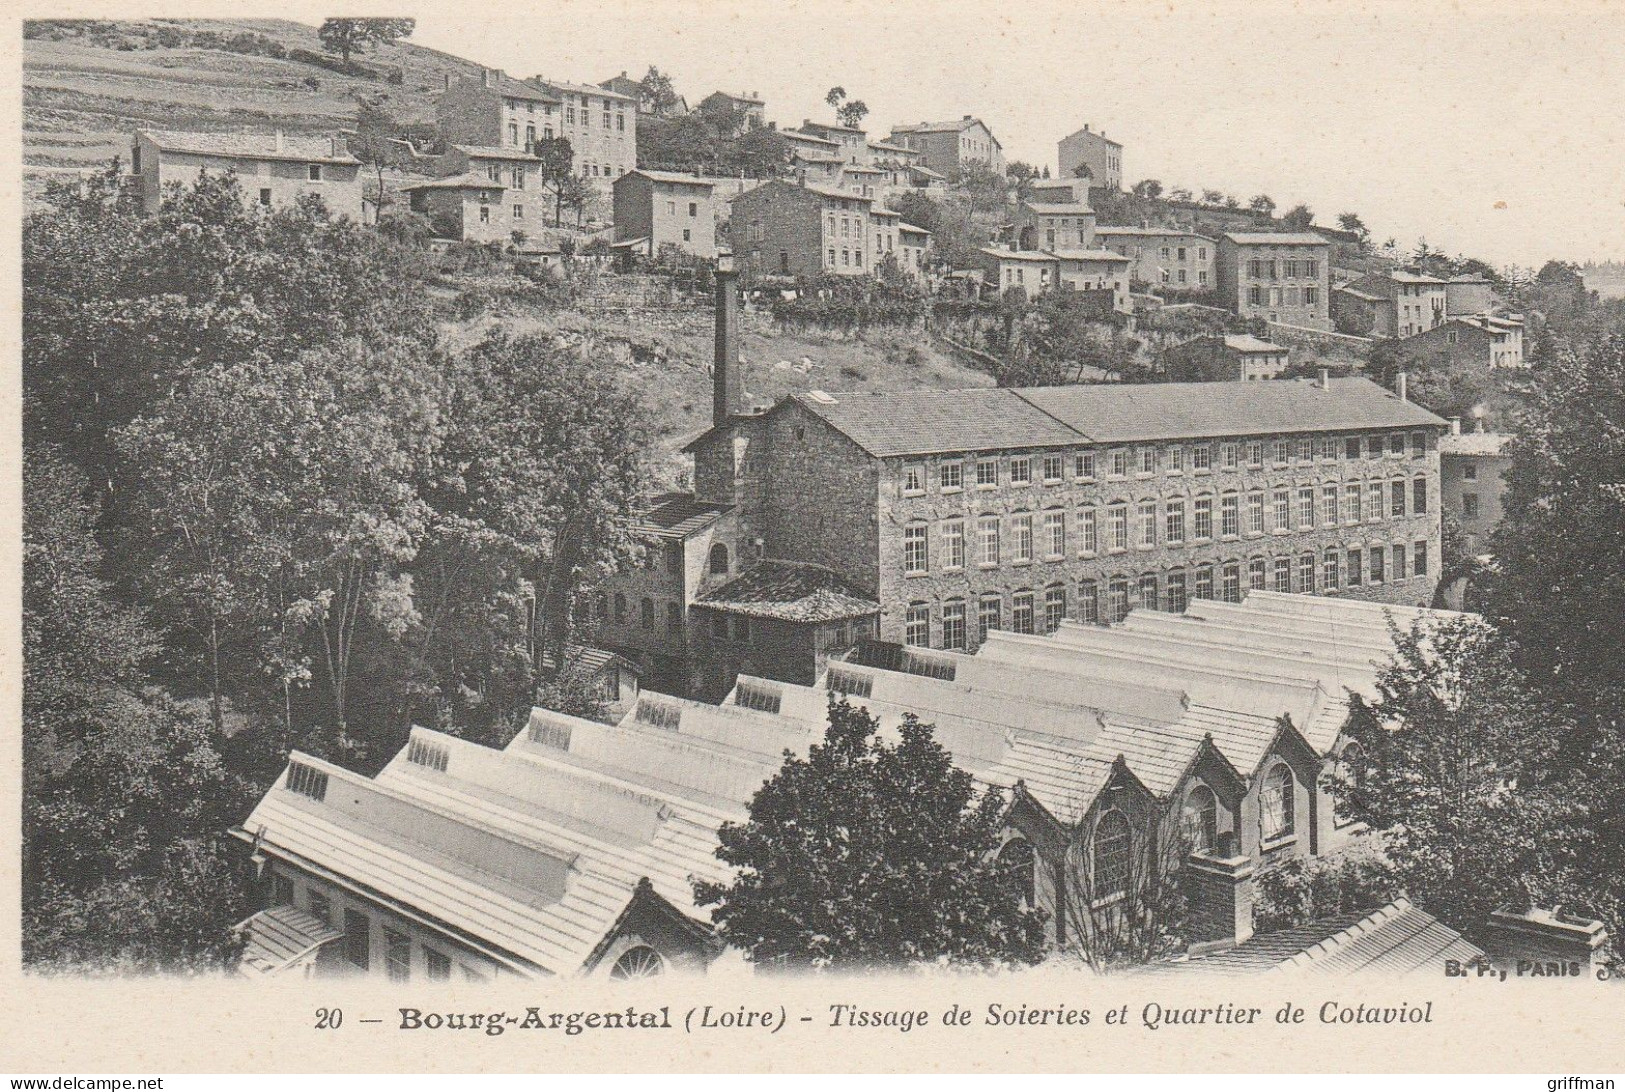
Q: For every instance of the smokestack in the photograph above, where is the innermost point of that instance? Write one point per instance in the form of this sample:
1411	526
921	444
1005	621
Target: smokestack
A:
725	378
1455	426
1399	386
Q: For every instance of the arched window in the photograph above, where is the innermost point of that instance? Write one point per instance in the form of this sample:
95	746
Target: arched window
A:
1202	819
640	962
1018	864
1276	803
1113	848
647	611
719	560
620	609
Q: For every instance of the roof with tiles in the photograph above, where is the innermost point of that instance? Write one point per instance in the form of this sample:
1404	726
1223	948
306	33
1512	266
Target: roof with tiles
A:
279	936
677	515
917	422
1151	232
1473	443
1247	343
468	180
276	145
1397	939
789	591
509	87
1044	208
563	87
1274	238
673	177
493	151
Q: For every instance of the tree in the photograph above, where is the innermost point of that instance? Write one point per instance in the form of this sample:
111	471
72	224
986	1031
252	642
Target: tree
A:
1180	193
1451	769
1350	221
1299	218
1083	170
655	91
834	97
347	36
1212	197
1231	201
575	194
1134	918
1262	203
1149	187
556	170
869	854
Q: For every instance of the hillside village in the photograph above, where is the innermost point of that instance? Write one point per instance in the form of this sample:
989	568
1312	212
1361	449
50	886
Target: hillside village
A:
596	442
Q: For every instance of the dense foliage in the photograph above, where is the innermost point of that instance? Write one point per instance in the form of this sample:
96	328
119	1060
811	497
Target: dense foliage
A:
872	854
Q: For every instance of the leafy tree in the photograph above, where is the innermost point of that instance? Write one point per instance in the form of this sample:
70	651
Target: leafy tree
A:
656	92
1180	193
1149	187
1451	768
1262	203
1350	221
556	170
1231	201
1083	170
1212	197
1298	890
834	97
869	854
347	36
851	114
1299	218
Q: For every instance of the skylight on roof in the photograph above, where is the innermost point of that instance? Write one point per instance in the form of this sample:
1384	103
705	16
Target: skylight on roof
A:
556	736
431	755
822	397
307	781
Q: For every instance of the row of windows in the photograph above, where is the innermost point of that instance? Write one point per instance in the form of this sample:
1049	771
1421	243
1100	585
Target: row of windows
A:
1028	610
358	947
1290	269
1023	537
1282	297
1052	468
599	613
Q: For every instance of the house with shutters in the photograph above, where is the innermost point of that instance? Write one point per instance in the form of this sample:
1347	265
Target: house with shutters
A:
273	169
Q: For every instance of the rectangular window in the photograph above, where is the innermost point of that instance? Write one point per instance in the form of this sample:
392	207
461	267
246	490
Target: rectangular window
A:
1328	571
1419	559
1119	605
953	544
953	625
315	172
1356	568
1255	453
1145	592
1022	538
1084	465
1148	524
1202	457
1469	505
987	540
1119	463
1281	451
1148	460
1396	498
1378	561
281	890
987	473
1229	456
265	197
1419	496
1054	535
1117	526
1021	470
914	549
1351	502
1021	612
1230	515
1176	460
950	475
357	938
1396	443
1255	513
1088	531
1283	574
1283	510
1204	518
397	956
1230	586
1304	449
913	479
1088	602
320	907
917	625
987	616
1328	505
1351	447
1204	582
1054	608
1258	575
1374	501
1174	522
436	965
1054	468
1176	591
1419	444
1306	507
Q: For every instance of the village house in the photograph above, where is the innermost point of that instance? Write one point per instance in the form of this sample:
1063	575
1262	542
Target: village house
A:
1043	225
802	229
657	209
851	143
914	247
1396	303
1281	277
1169	257
274	169
466	207
897	163
601	126
1472	480
949	147
494	110
1468	294
1220	357
1479	341
748	103
527	205
1102	157
1078	269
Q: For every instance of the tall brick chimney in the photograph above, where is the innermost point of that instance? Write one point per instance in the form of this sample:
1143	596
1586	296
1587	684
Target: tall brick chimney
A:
1219	887
1523	941
725	377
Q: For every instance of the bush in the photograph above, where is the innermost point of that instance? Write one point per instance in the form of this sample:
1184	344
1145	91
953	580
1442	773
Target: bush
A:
1297	891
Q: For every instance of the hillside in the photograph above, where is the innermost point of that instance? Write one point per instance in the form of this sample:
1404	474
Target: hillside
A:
85	91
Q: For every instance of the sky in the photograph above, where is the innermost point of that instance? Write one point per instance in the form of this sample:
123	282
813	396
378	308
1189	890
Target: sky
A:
1491	128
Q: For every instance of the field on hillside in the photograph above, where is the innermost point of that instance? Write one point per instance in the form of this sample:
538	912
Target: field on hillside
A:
670	368
82	97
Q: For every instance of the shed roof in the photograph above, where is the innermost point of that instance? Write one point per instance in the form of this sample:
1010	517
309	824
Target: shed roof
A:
1396	939
677	515
789	591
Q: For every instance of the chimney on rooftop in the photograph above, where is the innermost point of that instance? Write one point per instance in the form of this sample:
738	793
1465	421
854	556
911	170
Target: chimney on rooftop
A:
967	117
1399	386
1455	426
725	379
1325	379
1217	884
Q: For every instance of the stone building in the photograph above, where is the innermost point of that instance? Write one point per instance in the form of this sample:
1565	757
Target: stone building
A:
525	204
1044	225
748	103
1087	148
1481	341
1168	257
467	206
495	110
1281	277
1065	268
1468	294
803	229
1472	480
654	209
601	126
274	169
1396	303
948	147
913	249
1219	357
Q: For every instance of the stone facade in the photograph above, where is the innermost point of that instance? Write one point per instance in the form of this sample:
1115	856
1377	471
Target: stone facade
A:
467	207
601	126
1220	358
667	209
526	205
1045	226
948	147
1471	341
1283	277
1103	157
273	169
1472	481
802	230
1159	256
495	110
